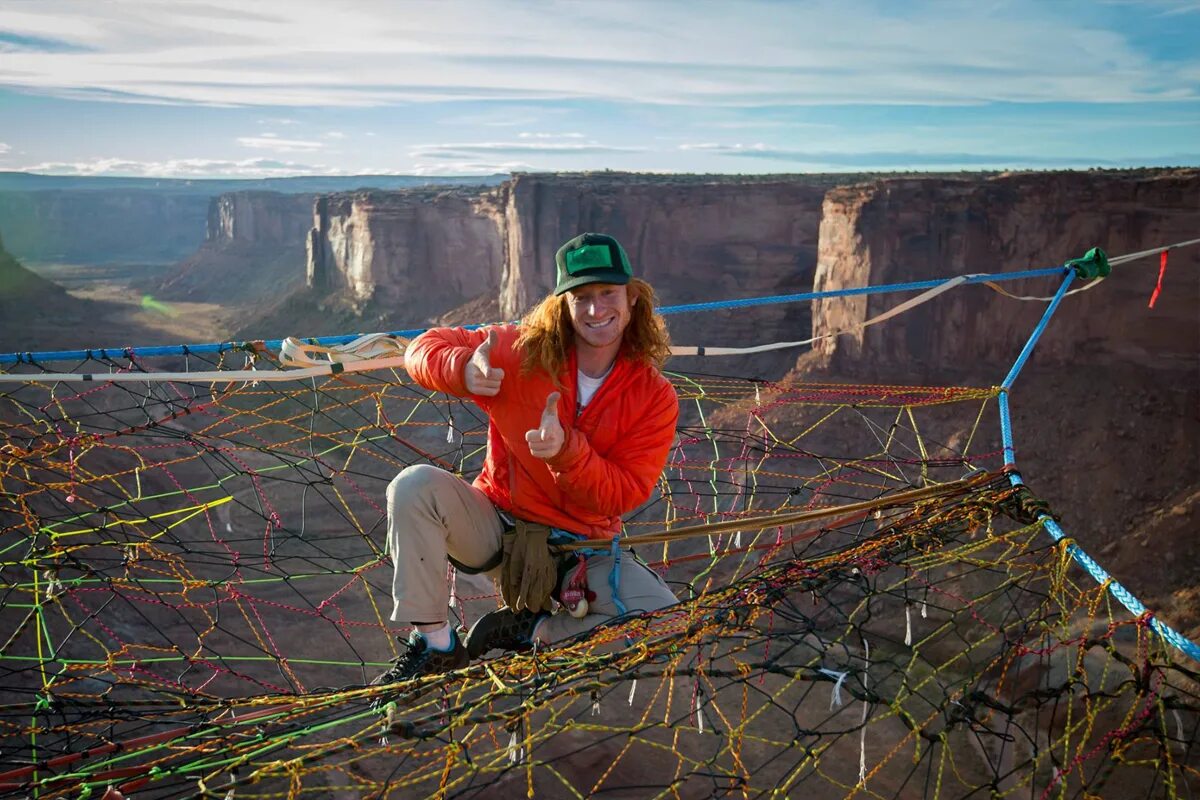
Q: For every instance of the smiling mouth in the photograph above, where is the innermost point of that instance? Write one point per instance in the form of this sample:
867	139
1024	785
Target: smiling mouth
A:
596	325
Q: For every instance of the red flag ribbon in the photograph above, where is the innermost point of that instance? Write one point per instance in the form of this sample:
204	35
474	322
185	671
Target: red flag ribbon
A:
1162	268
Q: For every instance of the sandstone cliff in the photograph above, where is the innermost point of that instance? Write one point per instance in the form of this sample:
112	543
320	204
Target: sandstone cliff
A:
695	238
408	257
253	250
911	230
418	252
266	219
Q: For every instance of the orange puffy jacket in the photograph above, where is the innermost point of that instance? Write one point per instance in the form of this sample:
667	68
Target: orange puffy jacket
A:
613	451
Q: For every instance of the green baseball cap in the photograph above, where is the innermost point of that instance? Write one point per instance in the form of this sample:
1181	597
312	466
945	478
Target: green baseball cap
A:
591	258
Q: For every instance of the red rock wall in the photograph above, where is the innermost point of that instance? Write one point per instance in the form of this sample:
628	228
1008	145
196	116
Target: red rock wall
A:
420	249
252	253
422	252
918	229
693	239
268	219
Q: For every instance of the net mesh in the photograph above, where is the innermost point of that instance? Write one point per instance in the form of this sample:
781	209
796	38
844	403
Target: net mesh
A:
197	595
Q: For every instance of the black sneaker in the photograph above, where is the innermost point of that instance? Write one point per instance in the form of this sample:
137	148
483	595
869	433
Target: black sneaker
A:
503	629
419	659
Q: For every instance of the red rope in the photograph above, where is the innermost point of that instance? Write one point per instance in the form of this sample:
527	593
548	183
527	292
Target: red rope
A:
1162	268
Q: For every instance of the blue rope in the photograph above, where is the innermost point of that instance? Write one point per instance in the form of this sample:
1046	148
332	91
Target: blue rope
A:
1098	573
892	287
1123	595
275	344
1006	430
1037	332
614	577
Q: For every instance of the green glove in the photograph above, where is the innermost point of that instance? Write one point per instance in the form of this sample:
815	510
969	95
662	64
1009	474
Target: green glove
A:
528	572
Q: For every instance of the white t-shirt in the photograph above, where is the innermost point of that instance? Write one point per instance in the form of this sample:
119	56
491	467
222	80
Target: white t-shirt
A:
587	387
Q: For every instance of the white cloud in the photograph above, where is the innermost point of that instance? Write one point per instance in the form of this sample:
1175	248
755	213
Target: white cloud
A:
907	159
724	149
473	150
334	135
271	141
770	123
745	54
1175	9
181	168
469	168
528	135
486	158
4	148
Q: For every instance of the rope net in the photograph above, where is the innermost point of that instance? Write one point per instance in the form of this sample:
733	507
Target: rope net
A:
197	591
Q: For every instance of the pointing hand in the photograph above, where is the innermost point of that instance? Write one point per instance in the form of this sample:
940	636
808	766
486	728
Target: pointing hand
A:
479	375
547	439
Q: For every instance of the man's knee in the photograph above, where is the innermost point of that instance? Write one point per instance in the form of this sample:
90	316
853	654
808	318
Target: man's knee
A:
414	480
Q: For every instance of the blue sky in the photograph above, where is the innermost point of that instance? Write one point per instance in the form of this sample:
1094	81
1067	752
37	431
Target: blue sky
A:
226	88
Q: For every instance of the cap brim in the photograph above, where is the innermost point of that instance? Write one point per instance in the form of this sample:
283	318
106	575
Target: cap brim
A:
617	276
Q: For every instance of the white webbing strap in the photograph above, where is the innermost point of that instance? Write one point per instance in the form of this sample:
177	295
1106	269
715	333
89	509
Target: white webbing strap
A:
371	346
907	305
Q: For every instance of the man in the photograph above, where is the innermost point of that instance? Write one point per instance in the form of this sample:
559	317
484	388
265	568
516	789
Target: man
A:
580	421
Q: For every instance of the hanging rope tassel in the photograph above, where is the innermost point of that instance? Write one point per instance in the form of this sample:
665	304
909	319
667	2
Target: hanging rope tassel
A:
862	740
516	745
698	707
835	694
1162	268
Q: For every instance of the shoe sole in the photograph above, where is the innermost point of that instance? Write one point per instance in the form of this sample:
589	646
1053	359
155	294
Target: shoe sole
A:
480	632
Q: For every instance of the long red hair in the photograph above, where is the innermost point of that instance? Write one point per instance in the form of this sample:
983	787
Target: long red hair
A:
547	334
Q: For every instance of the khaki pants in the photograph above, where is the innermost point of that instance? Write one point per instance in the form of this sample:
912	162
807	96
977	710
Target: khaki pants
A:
433	514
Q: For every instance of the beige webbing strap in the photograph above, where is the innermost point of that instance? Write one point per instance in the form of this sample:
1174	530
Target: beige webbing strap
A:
772	520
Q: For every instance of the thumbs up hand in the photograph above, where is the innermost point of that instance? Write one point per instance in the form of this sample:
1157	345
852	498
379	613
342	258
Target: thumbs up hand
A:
479	375
547	439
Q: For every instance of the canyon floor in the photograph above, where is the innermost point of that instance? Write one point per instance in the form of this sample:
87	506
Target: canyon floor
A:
120	307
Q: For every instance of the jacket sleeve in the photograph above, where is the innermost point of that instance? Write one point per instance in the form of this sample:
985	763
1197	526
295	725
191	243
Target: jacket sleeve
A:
623	478
436	359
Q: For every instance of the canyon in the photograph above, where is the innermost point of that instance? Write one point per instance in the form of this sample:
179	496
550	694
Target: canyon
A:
310	263
694	238
101	220
405	259
1104	415
1112	388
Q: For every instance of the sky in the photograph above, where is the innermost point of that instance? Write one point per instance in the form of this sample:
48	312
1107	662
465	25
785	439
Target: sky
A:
229	88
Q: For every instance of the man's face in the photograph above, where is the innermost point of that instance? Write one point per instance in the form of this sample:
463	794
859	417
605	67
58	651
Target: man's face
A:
599	312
